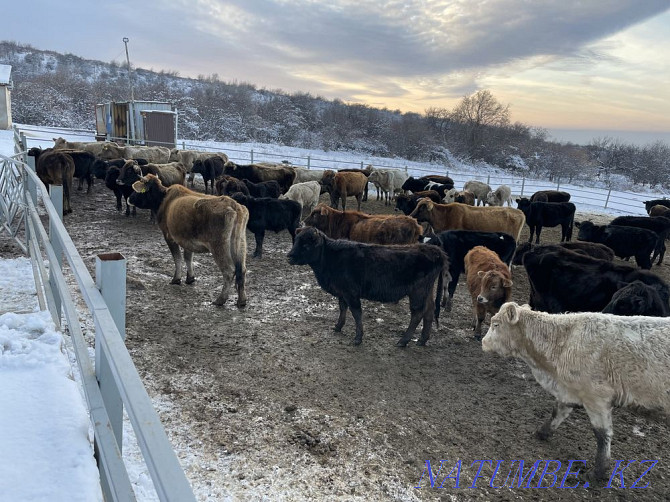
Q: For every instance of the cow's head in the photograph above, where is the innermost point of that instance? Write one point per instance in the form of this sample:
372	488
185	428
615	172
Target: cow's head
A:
494	288
59	142
423	210
130	173
635	298
307	247
450	196
319	217
506	334
148	193
240	198
100	168
523	203
328	177
587	230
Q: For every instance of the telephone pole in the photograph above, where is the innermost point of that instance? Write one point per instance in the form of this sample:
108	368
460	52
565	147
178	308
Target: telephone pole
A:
131	105
130	80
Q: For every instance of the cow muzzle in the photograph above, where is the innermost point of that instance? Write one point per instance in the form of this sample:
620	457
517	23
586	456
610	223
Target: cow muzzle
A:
482	299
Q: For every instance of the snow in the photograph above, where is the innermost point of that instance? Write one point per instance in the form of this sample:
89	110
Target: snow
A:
5	71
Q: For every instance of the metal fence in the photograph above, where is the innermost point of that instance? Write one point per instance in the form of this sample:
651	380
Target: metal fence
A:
113	383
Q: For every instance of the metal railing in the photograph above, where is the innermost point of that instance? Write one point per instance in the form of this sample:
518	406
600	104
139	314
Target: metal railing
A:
113	383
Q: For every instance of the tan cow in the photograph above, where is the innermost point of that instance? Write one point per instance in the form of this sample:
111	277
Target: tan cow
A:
489	283
198	223
341	185
95	147
457	216
356	226
153	154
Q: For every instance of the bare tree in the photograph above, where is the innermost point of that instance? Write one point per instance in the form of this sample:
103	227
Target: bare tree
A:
480	114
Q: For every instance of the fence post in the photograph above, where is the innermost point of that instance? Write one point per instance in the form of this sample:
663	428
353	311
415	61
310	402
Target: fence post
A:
56	195
24	142
558	183
523	184
183	145
608	197
488	179
406	171
110	279
308	161
361	165
252	156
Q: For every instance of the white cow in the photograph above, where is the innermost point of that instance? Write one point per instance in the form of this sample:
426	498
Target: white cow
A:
306	194
388	182
302	174
479	188
591	359
499	196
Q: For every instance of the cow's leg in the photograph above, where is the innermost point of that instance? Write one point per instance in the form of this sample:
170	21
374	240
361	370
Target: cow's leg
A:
80	185
416	308
538	229
222	257
191	179
428	316
480	314
188	258
343	315
600	415
357	313
643	260
258	252
240	279
365	194
118	202
560	412
662	255
176	256
67	189
358	199
343	197
451	288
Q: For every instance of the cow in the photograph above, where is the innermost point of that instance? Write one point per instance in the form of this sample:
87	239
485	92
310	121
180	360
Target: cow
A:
499	196
624	241
100	167
388	182
367	172
83	164
269	214
209	168
598	361
659	225
55	168
120	190
564	281
659	210
352	271
264	189
302	174
94	147
439	179
306	194
284	175
489	282
343	185
592	249
154	154
548	214
407	203
356	226
228	185
457	243
465	197
637	298
457	216
648	204
169	174
198	223
421	185
479	188
550	196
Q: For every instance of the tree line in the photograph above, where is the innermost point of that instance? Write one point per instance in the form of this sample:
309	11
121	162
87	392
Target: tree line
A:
54	89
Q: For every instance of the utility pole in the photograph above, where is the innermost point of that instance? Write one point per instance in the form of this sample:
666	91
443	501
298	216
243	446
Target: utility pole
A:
130	81
131	107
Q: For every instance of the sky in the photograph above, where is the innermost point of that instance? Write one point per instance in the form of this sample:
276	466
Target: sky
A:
561	64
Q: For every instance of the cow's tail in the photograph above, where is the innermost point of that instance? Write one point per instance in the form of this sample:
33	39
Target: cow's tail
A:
444	276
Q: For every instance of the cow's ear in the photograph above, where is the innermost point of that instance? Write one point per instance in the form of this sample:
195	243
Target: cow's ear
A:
578	224
140	186
481	273
511	312
507	283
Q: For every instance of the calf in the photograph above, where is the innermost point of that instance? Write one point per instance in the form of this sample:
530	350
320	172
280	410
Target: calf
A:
624	241
198	223
550	196
637	298
407	203
227	185
457	243
352	271
119	190
489	282
55	168
479	189
593	360
499	196
269	189
465	197
660	226
592	249
343	185
367	172
564	281
210	168
269	214
306	194
648	204
548	214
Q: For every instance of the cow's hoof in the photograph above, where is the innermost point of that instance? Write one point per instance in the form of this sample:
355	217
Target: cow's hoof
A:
337	329
543	434
478	337
421	343
219	302
175	281
241	303
401	343
357	341
190	280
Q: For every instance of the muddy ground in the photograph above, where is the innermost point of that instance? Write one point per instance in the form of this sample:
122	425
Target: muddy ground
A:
269	403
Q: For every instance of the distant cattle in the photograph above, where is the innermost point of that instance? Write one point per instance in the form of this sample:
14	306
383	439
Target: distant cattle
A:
593	360
83	164
169	174
302	174
189	157
198	223
489	282
94	147
264	189
352	271
101	166
55	168
658	225
461	217
356	226
343	185
624	241
479	189
564	281
659	210
462	197
306	194
499	196
648	204
228	185
439	179
154	154
407	203
548	214
388	182
592	249
457	243
284	175
550	196
637	298
269	214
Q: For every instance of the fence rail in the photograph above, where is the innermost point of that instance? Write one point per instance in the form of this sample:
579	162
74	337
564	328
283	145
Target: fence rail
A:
113	383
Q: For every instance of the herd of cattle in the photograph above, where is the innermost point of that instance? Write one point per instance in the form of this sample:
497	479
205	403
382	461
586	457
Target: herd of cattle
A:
598	359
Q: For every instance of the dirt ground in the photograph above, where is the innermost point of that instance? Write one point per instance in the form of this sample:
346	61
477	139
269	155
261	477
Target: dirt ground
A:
269	403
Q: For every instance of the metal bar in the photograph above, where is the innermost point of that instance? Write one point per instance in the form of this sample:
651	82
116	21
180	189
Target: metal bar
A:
39	270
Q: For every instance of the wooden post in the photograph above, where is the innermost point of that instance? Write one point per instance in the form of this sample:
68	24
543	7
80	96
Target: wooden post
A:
523	184
110	279
609	192
252	156
558	183
308	161
488	179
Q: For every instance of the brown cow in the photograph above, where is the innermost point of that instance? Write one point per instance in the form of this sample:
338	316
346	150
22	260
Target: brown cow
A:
198	223
55	168
465	197
342	185
489	282
457	216
659	210
228	185
262	171
355	226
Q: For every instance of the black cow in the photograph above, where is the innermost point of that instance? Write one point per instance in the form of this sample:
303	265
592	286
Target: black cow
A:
352	271
592	249
637	298
648	204
550	196
100	166
210	169
548	214
228	185
624	241
83	167
421	185
407	203
270	189
658	224
457	243
269	214
440	180
111	177
564	281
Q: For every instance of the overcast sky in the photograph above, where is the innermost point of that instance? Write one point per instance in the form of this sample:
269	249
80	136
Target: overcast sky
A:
560	64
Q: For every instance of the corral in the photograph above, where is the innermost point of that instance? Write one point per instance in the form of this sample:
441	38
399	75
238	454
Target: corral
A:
269	402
